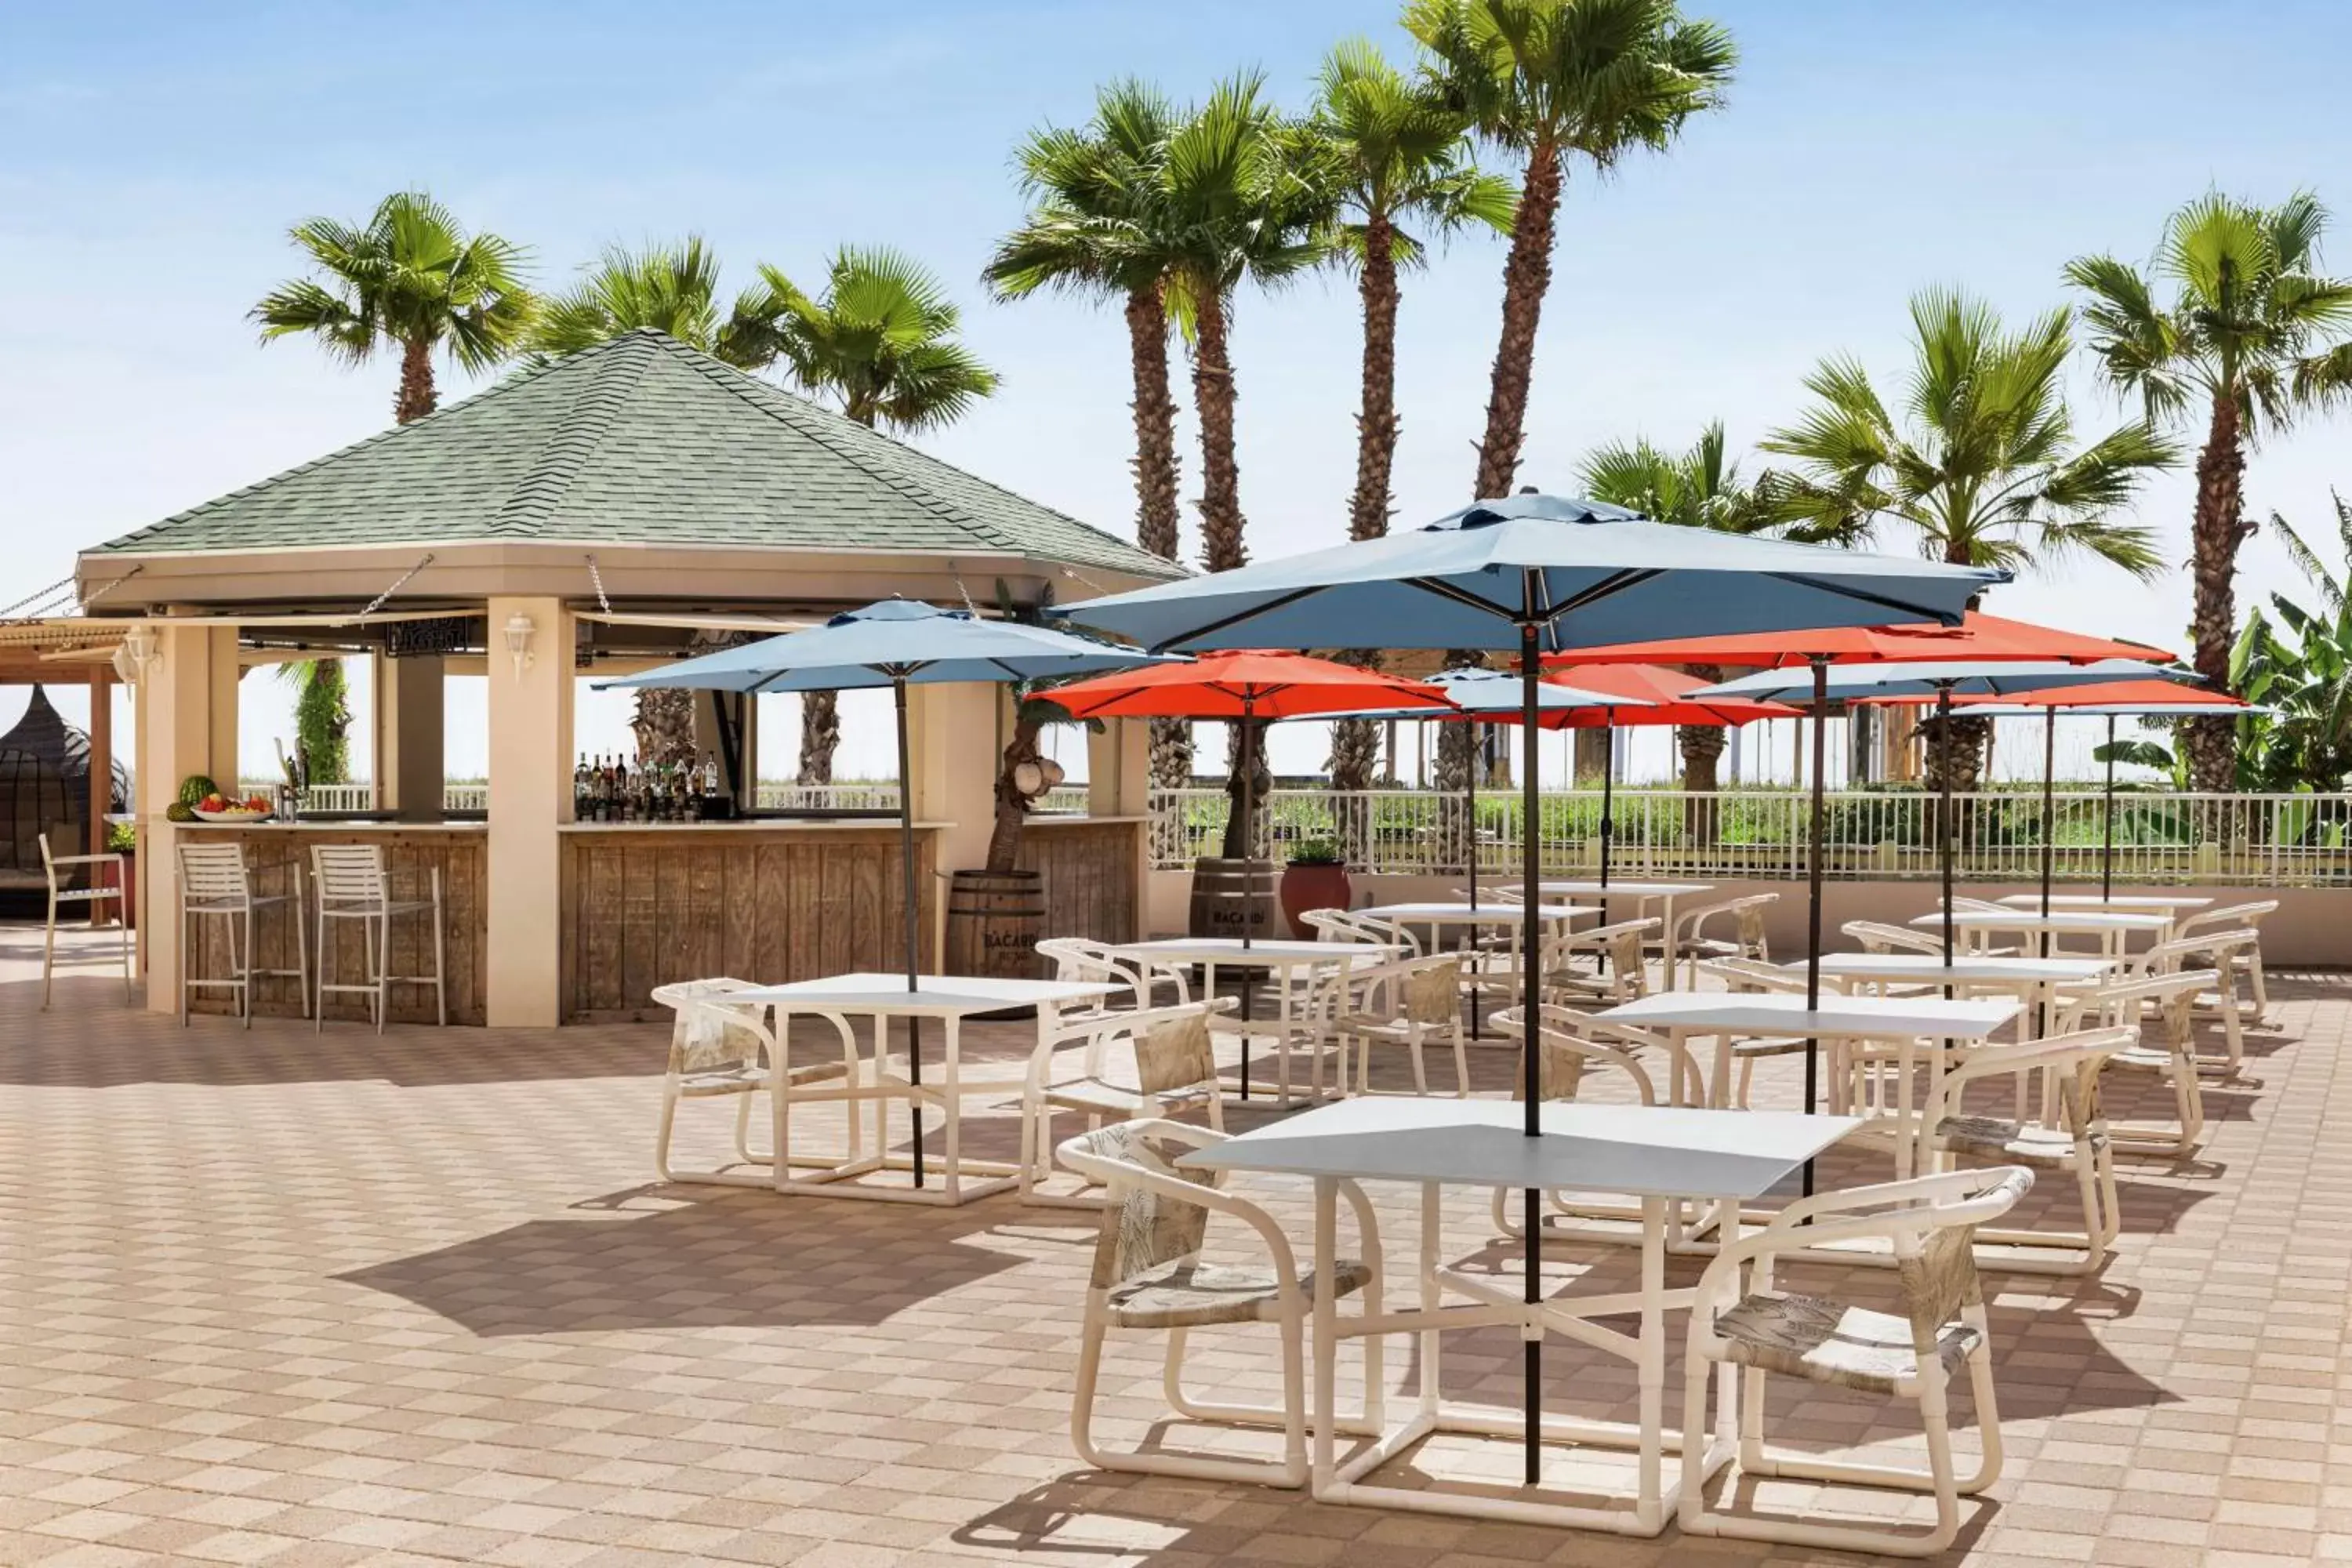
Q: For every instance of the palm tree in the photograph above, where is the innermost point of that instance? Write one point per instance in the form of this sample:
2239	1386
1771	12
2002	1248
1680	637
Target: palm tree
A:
1983	462
1551	81
673	289
1390	156
1699	488
2254	334
881	341
409	279
1237	207
1097	227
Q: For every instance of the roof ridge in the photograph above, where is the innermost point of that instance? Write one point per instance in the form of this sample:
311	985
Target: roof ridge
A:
792	409
529	373
588	417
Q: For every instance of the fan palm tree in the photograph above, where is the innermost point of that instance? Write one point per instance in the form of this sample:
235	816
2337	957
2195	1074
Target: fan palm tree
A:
1237	207
1552	82
881	342
410	279
1391	157
1097	227
1699	488
1982	463
2253	335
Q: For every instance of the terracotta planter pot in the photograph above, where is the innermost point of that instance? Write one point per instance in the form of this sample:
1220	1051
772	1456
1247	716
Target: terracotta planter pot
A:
1305	888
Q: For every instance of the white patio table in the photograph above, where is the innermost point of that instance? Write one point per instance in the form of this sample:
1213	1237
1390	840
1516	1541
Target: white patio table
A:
2114	928
2171	906
1281	958
1901	1022
1659	1157
1643	895
949	998
1471	918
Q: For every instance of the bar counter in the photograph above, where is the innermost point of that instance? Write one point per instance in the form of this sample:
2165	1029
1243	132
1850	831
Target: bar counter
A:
775	900
413	851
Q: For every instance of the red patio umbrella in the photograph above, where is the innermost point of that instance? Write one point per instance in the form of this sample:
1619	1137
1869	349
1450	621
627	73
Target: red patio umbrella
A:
1654	695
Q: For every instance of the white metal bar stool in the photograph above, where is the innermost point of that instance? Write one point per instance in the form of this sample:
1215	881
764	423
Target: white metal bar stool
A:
54	868
215	883
352	885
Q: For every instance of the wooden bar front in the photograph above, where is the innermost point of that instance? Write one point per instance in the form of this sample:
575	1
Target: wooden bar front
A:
643	906
459	851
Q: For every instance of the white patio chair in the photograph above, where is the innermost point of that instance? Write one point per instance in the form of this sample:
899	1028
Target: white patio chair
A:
1739	1320
1876	936
352	885
1075	959
1747	940
215	883
720	1048
2239	917
1173	1068
1624	974
1408	1003
2079	1143
1755	976
2173	1062
1148	1274
94	897
1573	1045
2211	949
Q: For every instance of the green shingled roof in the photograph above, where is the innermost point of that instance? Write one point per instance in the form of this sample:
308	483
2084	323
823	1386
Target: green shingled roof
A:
641	440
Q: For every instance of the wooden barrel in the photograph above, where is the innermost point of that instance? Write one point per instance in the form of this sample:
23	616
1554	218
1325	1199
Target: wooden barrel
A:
994	921
1234	896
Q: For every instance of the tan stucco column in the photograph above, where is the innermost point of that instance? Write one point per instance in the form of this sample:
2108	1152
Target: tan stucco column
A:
186	719
408	705
952	737
531	795
1118	769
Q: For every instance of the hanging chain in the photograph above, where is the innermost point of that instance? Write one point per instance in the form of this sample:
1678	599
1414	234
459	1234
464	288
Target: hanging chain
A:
597	578
401	582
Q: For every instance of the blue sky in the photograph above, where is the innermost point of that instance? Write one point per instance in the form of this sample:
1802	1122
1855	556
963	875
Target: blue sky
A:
156	154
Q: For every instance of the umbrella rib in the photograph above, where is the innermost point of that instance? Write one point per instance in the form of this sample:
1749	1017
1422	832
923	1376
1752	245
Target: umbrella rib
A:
1863	594
1445	590
1214	628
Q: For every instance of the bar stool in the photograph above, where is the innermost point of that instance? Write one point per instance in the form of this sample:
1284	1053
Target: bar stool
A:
352	885
56	869
216	883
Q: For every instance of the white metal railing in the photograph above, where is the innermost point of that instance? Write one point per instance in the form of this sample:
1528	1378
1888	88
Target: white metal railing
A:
2281	840
775	794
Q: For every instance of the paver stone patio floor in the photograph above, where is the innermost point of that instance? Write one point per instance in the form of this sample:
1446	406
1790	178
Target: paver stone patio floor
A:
313	1298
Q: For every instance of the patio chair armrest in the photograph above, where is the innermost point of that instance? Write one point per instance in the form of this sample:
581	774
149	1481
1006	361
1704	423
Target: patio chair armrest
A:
111	858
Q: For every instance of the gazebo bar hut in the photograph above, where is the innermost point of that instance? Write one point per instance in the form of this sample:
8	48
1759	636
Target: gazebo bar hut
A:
604	512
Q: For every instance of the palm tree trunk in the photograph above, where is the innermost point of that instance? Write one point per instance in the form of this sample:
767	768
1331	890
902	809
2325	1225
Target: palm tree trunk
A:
1356	742
2220	526
1011	806
663	725
1702	747
417	397
1221	478
1155	422
1458	754
1526	275
820	734
1156	468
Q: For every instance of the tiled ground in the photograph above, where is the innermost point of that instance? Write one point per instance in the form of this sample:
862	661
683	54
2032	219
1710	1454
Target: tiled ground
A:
323	1299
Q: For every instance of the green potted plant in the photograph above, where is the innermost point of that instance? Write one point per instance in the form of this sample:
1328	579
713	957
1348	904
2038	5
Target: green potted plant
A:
1315	878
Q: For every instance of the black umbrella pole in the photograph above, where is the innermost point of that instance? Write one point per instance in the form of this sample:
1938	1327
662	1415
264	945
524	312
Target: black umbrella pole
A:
1530	1035
2107	821
907	896
1813	879
1248	750
1944	814
1608	791
2049	838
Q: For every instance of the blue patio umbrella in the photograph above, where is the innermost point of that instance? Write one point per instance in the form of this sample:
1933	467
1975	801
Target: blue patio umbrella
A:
895	643
1942	681
1535	575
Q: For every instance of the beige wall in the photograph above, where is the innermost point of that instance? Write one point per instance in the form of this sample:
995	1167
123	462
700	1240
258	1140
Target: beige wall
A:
531	795
2311	929
186	721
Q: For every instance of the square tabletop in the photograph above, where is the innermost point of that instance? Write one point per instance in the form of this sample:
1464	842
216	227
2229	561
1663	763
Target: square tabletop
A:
2125	902
1965	968
1781	1013
934	995
1615	886
2063	923
1461	914
1273	954
1638	1151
